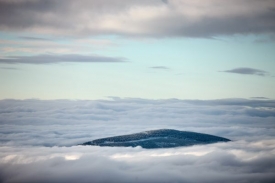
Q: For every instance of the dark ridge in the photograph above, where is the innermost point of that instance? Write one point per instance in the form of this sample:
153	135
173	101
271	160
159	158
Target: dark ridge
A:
163	138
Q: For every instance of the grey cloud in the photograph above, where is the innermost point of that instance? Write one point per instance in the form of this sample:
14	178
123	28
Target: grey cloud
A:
248	71
51	59
154	18
160	67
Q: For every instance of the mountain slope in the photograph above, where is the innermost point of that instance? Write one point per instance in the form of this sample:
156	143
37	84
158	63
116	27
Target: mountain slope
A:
163	138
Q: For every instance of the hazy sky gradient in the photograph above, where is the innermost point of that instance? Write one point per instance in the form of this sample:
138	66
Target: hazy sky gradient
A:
94	49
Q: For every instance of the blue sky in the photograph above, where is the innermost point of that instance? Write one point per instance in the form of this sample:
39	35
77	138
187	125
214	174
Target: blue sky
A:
140	49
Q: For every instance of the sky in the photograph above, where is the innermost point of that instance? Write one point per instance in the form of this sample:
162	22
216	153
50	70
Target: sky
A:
75	71
154	49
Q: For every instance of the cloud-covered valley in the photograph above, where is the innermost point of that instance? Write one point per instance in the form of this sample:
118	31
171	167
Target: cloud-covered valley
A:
39	140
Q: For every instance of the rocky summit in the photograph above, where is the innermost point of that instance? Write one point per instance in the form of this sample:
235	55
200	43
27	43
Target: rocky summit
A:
163	138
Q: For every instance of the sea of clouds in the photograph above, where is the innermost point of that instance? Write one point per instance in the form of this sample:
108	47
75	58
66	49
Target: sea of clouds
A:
39	140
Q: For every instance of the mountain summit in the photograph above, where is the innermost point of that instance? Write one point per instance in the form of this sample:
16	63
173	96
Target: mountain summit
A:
163	138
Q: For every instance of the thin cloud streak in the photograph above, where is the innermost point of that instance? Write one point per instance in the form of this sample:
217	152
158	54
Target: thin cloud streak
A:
9	68
160	67
260	98
247	71
52	59
34	38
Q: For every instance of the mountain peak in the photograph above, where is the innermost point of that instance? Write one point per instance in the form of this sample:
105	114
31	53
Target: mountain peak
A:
161	138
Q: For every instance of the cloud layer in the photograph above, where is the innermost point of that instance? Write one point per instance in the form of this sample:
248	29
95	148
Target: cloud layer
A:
51	59
154	18
38	141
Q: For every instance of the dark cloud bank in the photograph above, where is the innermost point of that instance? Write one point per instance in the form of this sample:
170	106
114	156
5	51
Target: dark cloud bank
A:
147	18
38	141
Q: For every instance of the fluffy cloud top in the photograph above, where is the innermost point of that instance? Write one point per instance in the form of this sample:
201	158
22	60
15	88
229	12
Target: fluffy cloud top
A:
39	141
153	18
